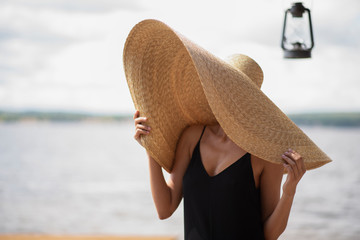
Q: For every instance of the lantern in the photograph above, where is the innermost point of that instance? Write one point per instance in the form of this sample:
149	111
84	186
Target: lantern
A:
297	37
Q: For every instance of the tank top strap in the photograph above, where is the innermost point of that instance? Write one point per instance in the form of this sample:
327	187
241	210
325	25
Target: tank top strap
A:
202	133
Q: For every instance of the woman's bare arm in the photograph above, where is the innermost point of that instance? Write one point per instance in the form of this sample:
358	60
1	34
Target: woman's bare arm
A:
276	210
168	194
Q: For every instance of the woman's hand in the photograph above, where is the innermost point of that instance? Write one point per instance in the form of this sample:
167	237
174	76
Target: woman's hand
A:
140	127
276	222
295	167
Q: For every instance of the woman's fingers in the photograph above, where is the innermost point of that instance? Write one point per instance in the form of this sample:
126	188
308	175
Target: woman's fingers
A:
302	165
137	119
136	114
295	167
299	162
140	127
139	132
140	120
294	160
291	163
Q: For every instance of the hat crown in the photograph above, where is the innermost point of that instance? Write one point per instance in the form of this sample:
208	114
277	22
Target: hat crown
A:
248	66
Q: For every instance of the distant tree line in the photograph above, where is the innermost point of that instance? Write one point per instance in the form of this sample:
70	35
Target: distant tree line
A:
313	119
57	117
327	119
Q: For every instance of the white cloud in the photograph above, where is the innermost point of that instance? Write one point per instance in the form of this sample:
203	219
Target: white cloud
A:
77	5
68	54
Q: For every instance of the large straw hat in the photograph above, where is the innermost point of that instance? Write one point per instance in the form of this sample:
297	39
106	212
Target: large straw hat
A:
176	83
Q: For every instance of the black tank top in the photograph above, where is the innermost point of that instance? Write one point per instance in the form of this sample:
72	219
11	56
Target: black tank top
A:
221	207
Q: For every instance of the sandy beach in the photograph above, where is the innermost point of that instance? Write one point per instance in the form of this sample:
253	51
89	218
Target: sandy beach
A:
70	237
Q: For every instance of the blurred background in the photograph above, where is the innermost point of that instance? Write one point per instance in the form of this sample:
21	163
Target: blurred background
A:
68	161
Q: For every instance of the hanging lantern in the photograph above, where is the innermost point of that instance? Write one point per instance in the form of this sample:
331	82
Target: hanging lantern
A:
297	37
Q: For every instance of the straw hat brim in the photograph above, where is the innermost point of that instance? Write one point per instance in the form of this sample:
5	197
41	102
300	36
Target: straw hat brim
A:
176	83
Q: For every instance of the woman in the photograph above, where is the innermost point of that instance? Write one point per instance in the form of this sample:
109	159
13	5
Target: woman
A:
204	113
228	193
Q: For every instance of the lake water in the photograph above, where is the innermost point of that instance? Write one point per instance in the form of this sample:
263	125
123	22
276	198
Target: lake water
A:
92	178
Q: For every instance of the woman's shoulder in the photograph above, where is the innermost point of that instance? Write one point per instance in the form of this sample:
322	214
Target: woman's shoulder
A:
192	133
185	147
189	137
267	168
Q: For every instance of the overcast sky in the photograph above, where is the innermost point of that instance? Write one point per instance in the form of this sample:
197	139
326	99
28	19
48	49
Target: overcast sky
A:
67	55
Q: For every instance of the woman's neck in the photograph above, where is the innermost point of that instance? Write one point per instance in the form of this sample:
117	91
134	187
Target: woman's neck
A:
218	132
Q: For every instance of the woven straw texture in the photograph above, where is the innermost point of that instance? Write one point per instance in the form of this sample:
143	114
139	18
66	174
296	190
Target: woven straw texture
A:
176	83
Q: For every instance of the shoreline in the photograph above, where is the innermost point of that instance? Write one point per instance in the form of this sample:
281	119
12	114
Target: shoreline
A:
80	237
336	119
